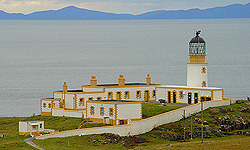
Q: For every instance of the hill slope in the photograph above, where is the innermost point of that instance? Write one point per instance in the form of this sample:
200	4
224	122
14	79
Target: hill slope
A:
74	13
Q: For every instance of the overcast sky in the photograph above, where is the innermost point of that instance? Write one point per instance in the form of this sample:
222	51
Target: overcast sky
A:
114	6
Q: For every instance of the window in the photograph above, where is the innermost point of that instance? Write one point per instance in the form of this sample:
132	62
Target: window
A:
203	70
126	95
33	127
90	98
110	112
204	84
99	98
118	95
49	105
138	94
153	93
92	110
81	102
181	95
44	105
102	111
110	95
41	125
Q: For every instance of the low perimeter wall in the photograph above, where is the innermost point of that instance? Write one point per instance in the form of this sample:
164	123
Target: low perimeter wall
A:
67	113
142	126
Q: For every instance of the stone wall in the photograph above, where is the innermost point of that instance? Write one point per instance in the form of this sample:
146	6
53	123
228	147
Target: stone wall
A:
143	126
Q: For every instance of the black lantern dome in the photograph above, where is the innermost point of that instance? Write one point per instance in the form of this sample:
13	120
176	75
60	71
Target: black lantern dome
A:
197	45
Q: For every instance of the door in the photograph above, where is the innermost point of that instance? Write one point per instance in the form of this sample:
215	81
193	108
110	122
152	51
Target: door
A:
189	98
118	95
146	96
106	120
174	97
169	97
121	122
195	98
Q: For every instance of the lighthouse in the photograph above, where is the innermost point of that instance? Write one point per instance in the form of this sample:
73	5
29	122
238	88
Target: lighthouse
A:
197	63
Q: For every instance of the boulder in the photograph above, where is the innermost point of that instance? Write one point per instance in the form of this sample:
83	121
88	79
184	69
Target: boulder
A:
218	133
239	102
230	109
248	104
214	111
205	123
198	115
223	110
244	109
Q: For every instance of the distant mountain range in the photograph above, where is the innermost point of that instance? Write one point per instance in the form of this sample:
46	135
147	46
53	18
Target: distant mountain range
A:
74	13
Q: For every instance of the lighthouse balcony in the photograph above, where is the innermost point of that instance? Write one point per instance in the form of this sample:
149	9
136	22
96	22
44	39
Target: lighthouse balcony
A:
197	59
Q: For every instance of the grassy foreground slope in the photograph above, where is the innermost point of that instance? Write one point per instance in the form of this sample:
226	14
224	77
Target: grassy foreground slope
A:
153	140
9	128
158	138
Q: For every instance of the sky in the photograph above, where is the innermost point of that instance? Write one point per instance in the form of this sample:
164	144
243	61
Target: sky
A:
112	6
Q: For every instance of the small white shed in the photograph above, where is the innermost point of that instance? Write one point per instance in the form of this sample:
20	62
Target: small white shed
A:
31	127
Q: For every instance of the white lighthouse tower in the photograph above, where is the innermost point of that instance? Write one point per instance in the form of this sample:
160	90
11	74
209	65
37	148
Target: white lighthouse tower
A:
197	63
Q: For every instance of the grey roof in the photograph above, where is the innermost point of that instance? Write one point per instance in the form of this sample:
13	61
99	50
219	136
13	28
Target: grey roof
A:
197	39
114	101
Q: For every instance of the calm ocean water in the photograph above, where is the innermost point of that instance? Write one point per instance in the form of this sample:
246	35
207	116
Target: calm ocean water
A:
38	56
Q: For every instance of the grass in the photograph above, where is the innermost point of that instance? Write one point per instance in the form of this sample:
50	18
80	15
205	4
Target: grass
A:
234	142
9	127
224	143
149	109
76	143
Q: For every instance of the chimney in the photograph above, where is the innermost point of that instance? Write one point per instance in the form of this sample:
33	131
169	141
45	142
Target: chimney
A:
93	81
121	80
65	87
148	80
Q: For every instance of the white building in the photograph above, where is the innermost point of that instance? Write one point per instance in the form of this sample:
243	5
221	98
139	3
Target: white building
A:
114	111
74	103
31	127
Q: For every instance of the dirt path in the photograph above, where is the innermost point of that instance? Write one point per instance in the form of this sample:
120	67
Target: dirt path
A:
30	142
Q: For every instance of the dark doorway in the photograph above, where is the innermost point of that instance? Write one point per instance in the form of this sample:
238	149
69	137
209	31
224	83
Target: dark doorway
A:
174	97
195	98
169	97
189	98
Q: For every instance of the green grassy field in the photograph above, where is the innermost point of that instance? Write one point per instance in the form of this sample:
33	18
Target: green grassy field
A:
149	110
9	127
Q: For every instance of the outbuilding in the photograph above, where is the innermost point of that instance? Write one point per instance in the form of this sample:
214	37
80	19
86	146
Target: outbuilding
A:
31	127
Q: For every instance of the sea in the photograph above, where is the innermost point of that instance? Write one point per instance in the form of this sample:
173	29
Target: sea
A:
36	57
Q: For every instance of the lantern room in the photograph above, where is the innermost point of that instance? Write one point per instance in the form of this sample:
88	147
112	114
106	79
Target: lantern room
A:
197	45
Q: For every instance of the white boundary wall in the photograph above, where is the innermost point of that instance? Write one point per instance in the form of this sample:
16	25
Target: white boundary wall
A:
143	126
67	113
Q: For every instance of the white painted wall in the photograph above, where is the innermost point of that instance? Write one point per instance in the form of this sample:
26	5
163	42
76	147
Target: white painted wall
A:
69	101
195	76
46	108
97	107
218	95
67	113
23	126
129	111
91	89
